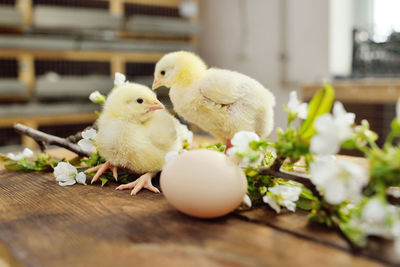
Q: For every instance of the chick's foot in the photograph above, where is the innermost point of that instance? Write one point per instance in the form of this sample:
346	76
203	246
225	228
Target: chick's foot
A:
101	169
143	181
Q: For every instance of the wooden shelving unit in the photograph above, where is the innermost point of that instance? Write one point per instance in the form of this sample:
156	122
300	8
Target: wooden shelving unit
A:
117	59
372	99
373	91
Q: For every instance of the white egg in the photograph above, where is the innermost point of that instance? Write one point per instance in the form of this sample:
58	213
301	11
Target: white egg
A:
203	183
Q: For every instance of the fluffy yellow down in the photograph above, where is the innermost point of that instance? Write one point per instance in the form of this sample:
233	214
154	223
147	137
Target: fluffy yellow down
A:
219	101
132	137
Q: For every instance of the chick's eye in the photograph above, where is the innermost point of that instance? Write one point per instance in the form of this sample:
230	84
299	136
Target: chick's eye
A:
162	72
139	100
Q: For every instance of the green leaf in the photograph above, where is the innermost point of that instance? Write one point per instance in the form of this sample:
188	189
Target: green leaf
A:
320	104
10	164
219	147
304	204
29	166
103	180
395	127
354	234
94	160
43	162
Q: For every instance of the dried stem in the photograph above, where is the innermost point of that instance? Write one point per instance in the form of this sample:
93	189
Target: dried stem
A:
78	136
277	164
274	170
48	139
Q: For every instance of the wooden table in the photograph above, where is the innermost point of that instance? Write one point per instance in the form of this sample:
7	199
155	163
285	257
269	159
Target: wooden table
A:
44	224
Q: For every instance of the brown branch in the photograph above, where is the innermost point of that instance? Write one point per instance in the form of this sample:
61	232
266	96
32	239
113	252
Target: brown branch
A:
277	164
290	176
39	136
78	136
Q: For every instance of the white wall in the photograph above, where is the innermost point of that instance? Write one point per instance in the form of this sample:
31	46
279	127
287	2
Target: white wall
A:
345	15
244	35
341	26
308	40
252	50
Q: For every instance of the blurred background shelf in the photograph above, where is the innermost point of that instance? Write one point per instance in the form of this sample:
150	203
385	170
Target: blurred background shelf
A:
54	53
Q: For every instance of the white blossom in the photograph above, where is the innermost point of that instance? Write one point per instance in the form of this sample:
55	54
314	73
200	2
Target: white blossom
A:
295	107
374	218
97	97
119	79
88	139
338	180
81	178
185	133
394	191
89	134
272	151
374	211
240	142
26	153
173	154
332	131
66	174
247	201
282	195
243	138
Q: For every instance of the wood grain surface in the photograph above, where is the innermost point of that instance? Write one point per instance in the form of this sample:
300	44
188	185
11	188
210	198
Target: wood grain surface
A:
44	224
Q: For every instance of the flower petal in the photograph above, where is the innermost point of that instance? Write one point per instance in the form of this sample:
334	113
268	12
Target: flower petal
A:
293	102
185	133
243	138
324	124
81	178
247	201
70	182
272	203
374	211
27	153
340	113
170	156
325	144
64	172
335	192
322	170
16	157
302	111
85	144
290	205
89	134
119	79
97	97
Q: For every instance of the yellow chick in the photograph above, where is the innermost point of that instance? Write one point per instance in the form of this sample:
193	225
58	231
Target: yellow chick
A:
219	101
136	132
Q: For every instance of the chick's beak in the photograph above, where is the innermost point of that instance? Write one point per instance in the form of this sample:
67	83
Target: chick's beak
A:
156	84
155	105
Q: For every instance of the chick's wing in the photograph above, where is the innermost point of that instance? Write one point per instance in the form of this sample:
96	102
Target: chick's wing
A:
162	131
223	87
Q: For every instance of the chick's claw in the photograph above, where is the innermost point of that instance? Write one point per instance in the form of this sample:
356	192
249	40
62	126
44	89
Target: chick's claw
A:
101	169
143	181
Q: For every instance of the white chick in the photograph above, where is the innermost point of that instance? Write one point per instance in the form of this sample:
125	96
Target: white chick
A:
135	132
222	102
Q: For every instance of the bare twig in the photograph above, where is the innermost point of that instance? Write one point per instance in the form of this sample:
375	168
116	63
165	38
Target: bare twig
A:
78	136
291	176
42	145
39	136
277	164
